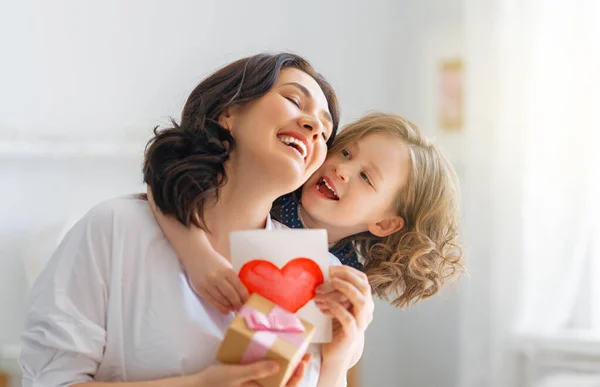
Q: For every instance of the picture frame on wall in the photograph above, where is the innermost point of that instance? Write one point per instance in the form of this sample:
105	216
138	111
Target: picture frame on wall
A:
451	95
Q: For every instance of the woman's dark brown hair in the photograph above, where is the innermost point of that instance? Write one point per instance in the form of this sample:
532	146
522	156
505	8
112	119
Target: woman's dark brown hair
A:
184	165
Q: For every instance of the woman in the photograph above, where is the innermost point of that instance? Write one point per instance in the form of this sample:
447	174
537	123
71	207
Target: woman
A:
113	307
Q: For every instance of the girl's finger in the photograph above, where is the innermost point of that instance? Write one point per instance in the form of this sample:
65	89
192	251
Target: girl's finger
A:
229	292
219	301
239	287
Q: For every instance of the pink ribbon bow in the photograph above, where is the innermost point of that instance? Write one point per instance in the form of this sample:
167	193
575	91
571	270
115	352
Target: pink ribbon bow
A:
278	320
279	323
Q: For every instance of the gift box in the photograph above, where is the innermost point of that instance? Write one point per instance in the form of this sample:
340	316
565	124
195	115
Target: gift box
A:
262	330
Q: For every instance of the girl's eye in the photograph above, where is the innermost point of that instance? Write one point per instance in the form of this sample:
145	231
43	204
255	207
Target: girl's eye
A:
365	177
294	101
346	154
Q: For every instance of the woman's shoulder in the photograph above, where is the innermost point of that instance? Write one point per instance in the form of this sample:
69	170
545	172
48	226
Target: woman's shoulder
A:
122	215
127	208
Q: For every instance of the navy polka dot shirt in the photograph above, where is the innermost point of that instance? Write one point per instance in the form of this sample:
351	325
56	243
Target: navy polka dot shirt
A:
288	215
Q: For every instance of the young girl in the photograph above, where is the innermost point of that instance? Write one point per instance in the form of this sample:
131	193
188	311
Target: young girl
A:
389	201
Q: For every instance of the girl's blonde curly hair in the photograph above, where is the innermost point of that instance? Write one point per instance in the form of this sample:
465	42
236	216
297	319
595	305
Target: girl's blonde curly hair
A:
413	263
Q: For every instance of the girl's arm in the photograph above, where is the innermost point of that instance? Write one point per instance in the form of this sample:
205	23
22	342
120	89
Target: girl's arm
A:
209	273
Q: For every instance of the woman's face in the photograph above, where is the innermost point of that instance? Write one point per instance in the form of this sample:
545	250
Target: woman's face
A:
282	135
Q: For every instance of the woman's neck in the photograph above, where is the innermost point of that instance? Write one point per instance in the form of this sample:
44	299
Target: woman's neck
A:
242	205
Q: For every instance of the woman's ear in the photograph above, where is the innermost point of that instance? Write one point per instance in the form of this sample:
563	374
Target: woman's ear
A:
386	227
226	118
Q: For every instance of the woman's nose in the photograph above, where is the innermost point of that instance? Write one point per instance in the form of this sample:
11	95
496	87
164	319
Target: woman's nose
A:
312	124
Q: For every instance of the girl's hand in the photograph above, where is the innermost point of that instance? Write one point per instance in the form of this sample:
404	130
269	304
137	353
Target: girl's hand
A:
213	278
210	274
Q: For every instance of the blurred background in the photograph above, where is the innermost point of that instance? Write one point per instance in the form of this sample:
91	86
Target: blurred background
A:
508	88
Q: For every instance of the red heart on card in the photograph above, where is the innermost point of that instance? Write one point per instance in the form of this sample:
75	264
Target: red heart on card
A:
290	288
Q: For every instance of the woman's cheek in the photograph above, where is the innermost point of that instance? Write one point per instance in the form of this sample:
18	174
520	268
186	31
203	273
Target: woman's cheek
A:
321	149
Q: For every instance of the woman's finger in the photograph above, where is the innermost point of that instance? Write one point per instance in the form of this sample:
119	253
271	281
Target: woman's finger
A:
251	372
324	288
356	297
324	307
346	304
298	374
334	295
362	306
352	275
345	318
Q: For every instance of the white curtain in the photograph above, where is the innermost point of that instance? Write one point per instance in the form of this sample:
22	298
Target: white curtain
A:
561	169
533	133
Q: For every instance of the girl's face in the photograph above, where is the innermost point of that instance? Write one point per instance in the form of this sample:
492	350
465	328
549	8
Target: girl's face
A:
358	186
282	135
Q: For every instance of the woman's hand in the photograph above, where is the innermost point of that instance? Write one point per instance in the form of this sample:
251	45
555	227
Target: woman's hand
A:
225	375
351	322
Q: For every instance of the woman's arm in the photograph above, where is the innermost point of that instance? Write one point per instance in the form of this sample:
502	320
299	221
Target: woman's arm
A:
332	375
64	336
182	381
347	345
64	333
227	375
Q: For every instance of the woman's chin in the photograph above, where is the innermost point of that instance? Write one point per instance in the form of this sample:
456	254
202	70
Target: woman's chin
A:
286	172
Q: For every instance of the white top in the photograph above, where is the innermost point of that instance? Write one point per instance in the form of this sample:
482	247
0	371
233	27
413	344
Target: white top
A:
114	305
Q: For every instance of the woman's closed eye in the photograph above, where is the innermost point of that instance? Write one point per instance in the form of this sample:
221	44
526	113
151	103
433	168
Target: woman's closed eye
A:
294	100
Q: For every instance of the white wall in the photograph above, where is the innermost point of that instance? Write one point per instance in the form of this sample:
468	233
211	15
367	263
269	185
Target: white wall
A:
424	352
116	68
109	71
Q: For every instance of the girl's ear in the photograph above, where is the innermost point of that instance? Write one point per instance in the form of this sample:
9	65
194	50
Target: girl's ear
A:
386	227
